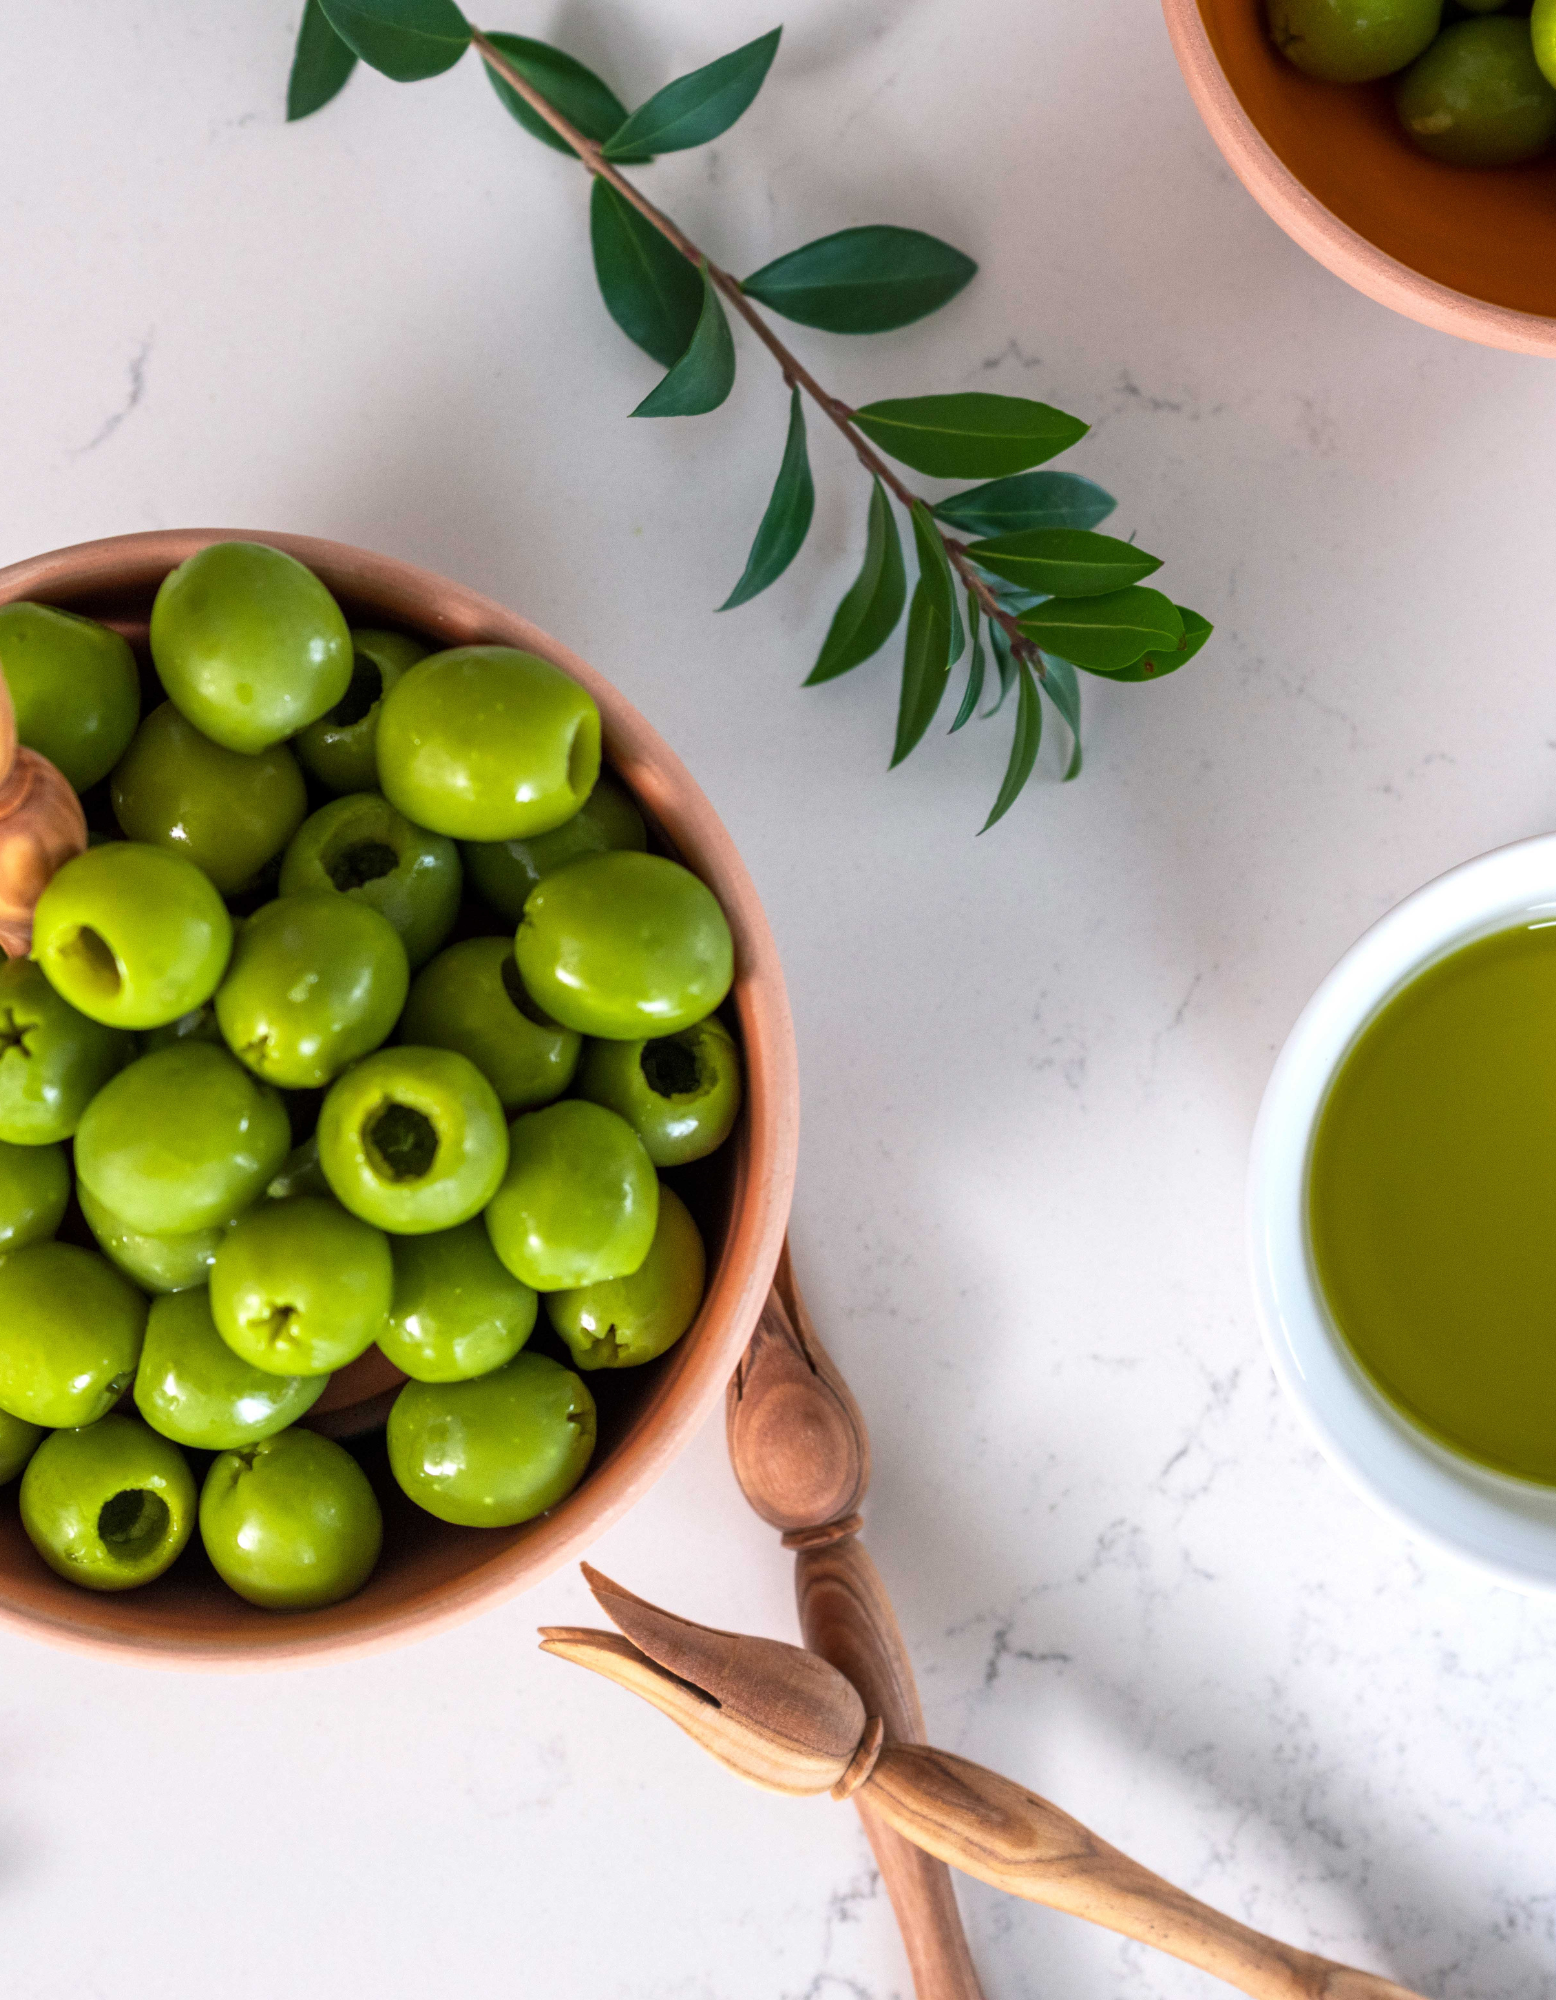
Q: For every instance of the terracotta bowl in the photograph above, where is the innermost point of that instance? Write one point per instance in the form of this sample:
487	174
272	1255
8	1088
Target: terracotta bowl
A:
431	1575
1470	251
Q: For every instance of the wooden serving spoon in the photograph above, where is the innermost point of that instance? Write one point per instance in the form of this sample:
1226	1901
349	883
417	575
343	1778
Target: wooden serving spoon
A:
789	1721
41	828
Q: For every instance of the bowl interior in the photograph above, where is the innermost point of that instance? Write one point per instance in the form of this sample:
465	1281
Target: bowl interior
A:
1489	232
431	1573
1505	1526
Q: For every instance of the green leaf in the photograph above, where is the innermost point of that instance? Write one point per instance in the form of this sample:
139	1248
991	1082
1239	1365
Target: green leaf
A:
926	668
1023	745
868	614
1104	634
972	436
787	520
934	568
1064	562
864	280
1064	691
319	68
697	108
581	97
1005	660
405	39
1026	500
1196	631
975	667
651	291
704	375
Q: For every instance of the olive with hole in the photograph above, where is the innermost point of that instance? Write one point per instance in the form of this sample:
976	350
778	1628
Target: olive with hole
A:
413	1140
109	1506
627	1321
72	1329
341	748
471	999
503	872
680	1093
361	847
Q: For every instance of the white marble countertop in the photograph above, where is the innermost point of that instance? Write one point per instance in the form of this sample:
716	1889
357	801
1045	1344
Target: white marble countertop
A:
1031	1062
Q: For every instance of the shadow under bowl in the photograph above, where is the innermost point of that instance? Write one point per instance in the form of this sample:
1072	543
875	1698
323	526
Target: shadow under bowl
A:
1471	251
432	1575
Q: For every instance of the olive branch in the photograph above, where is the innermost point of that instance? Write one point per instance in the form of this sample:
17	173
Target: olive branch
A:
1052	594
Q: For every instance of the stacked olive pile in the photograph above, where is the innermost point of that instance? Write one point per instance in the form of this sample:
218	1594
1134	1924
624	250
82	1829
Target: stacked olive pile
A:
290	1126
1477	79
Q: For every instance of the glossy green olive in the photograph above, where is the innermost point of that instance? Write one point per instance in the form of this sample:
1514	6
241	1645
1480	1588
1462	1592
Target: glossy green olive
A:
131	935
74	687
1477	98
413	1140
192	1388
183	1139
341	748
226	812
579	1200
72	1333
18	1442
1352	41
503	872
362	848
496	1451
314	982
1542	30
34	1194
299	1287
53	1060
486	743
627	1321
292	1523
249	644
110	1506
680	1094
155	1263
457	1312
471	998
625	946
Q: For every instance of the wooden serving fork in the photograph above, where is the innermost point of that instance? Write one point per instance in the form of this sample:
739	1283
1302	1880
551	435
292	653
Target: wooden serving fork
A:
41	828
789	1721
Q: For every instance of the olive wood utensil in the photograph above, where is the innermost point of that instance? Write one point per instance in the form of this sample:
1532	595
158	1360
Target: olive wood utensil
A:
787	1720
41	827
801	1453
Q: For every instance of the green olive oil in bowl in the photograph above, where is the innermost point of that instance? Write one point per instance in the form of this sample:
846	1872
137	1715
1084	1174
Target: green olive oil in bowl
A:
1432	1200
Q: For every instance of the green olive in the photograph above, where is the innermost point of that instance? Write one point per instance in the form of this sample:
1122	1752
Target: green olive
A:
361	848
579	1200
155	1263
291	1523
626	1321
503	872
227	812
341	748
53	1060
471	999
109	1506
72	1334
34	1194
74	688
496	1451
413	1140
1352	41
299	1287
1478	98
457	1311
680	1094
192	1388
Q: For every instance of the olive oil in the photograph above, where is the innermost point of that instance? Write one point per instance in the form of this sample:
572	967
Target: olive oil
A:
1432	1200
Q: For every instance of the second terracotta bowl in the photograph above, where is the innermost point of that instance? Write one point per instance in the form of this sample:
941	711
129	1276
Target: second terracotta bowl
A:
1471	251
431	1575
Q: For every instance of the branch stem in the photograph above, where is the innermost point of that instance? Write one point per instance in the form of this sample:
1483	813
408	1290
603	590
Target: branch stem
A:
795	373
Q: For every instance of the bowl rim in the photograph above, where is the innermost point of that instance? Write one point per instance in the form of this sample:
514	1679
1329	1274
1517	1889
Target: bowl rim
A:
1317	229
764	1170
1503	1527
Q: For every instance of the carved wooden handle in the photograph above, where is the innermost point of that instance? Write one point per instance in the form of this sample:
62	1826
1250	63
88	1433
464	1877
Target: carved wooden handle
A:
801	1452
41	827
989	1827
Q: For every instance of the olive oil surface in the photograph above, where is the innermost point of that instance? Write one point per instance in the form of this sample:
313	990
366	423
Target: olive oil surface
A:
1432	1200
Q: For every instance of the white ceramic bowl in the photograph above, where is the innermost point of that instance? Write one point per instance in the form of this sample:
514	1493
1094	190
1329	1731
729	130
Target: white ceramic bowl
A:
1506	1527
